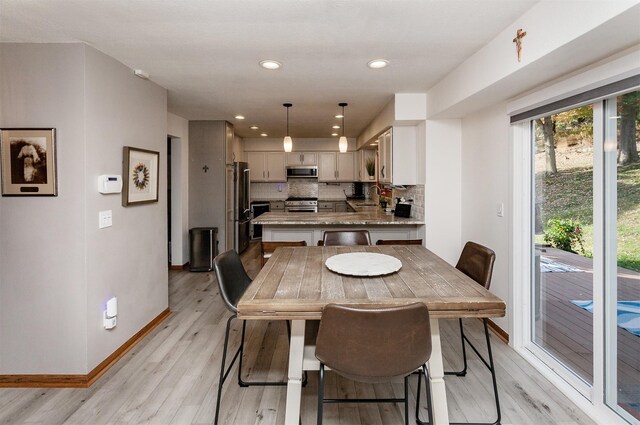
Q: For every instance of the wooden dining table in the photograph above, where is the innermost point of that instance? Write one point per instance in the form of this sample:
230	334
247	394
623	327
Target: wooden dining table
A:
296	285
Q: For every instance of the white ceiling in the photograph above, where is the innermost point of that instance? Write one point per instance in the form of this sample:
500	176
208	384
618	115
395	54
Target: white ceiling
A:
206	53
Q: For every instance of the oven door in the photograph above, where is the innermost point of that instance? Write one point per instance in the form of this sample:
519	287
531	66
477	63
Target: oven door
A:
301	209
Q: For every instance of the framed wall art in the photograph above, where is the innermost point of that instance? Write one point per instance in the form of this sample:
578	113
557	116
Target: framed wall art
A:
28	161
140	176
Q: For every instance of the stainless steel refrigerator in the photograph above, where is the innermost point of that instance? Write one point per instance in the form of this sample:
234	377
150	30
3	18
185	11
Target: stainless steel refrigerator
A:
241	205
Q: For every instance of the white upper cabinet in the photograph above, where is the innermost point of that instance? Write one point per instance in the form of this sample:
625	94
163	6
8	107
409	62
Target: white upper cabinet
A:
336	167
362	158
397	156
385	152
267	166
302	158
258	172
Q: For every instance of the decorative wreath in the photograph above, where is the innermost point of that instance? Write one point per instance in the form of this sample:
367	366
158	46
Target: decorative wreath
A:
140	176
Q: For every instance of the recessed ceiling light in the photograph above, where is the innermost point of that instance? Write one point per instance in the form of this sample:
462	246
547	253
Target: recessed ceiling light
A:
336	127
334	134
373	144
263	134
254	127
239	117
270	64
377	63
339	116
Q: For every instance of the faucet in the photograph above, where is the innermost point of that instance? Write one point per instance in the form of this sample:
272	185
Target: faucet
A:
375	187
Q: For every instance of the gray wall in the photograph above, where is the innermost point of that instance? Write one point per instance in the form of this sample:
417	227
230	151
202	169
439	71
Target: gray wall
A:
207	190
56	268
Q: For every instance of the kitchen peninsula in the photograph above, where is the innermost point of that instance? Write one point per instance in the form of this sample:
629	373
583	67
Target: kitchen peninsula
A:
310	227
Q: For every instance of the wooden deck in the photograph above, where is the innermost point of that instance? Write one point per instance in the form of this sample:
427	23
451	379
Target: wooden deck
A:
566	330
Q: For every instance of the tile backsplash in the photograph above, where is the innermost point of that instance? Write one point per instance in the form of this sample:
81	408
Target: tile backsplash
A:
300	188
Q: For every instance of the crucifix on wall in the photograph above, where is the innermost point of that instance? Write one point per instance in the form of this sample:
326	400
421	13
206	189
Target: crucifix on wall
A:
518	40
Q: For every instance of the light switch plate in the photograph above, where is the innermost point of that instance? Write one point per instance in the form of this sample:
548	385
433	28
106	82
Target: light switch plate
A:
500	209
105	219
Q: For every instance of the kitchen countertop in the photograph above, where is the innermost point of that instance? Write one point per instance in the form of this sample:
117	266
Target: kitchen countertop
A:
371	216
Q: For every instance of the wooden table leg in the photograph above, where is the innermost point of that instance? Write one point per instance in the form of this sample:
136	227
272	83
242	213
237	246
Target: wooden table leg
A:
294	385
436	377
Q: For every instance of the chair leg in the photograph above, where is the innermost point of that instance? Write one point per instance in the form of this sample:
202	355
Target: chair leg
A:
489	365
244	383
223	375
492	368
320	393
406	400
424	372
462	372
240	381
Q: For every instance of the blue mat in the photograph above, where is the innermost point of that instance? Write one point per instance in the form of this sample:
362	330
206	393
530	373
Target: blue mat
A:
628	314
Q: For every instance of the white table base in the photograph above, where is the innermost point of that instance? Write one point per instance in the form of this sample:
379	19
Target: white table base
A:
296	359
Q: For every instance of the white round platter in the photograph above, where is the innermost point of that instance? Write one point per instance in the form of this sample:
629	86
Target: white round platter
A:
363	264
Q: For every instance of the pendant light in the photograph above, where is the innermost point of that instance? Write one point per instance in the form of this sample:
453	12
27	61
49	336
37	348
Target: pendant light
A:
287	142
342	143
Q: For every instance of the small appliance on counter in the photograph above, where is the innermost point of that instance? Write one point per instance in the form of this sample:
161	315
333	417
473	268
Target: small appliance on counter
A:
403	210
357	191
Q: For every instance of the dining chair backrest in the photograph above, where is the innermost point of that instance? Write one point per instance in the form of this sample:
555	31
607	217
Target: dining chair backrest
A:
269	247
476	261
374	344
233	280
399	242
346	237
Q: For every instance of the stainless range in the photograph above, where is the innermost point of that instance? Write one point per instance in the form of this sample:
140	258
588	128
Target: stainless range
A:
301	205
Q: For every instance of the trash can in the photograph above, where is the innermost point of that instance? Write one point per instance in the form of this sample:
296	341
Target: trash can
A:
203	248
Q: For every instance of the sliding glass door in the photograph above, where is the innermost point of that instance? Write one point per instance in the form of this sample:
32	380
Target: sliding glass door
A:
562	263
584	247
622	250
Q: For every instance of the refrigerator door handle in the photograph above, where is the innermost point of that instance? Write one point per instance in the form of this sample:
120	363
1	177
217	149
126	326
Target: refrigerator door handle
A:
247	200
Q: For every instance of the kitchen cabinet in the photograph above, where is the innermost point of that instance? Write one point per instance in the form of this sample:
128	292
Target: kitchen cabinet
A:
276	206
267	166
362	157
302	158
397	162
342	207
385	154
325	206
336	167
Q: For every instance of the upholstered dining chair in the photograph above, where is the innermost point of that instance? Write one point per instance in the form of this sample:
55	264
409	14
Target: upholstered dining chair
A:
346	237
476	261
269	247
399	242
374	345
233	281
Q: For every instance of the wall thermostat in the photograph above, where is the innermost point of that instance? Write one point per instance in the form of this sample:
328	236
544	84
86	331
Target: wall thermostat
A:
110	183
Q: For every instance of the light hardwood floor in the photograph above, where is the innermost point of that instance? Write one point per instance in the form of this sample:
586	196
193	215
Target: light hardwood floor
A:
171	377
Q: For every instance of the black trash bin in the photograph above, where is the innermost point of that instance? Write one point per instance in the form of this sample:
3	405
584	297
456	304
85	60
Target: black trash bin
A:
203	248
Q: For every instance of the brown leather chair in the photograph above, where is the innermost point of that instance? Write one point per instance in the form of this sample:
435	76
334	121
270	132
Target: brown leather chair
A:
346	237
399	242
476	261
269	247
374	345
233	281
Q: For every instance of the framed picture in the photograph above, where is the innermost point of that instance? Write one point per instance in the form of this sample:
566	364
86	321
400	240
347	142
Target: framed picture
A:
28	161
140	176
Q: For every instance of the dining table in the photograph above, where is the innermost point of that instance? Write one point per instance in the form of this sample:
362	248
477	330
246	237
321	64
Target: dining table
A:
295	284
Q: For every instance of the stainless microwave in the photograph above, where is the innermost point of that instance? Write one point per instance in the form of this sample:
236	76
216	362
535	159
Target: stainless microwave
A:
302	171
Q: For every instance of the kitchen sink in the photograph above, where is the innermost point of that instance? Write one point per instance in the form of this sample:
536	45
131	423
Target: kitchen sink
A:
366	204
